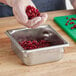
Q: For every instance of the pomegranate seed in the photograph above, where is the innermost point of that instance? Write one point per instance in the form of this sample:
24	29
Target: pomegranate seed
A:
32	12
70	19
66	17
71	22
66	24
74	26
73	18
67	21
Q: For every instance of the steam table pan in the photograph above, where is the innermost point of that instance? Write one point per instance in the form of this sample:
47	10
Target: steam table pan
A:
39	55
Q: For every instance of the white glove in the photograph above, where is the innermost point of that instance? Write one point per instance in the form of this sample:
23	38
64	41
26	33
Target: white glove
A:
19	7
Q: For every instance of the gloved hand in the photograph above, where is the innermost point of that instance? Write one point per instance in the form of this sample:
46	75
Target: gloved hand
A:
19	7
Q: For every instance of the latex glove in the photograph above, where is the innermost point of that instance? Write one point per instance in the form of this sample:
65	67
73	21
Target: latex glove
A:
19	7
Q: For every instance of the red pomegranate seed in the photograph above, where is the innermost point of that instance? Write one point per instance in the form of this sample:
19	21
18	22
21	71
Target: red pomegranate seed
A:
70	19
73	27
73	18
66	24
32	12
66	17
67	21
71	22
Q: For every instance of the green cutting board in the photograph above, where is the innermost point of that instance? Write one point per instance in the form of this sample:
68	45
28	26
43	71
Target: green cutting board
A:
61	21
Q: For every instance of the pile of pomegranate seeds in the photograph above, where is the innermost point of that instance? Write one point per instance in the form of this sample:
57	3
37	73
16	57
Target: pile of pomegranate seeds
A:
32	12
29	45
71	22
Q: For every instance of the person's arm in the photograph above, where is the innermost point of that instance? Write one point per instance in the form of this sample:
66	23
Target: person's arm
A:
3	1
73	2
19	7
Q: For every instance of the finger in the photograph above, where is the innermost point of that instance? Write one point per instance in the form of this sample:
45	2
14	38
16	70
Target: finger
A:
44	17
38	24
33	21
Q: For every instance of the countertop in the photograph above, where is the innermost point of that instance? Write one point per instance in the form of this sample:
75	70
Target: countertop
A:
11	65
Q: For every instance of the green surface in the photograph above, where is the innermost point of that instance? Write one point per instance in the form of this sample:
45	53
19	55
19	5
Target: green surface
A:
61	21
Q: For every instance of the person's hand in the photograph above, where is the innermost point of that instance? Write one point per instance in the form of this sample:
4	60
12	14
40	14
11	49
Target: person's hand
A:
19	7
